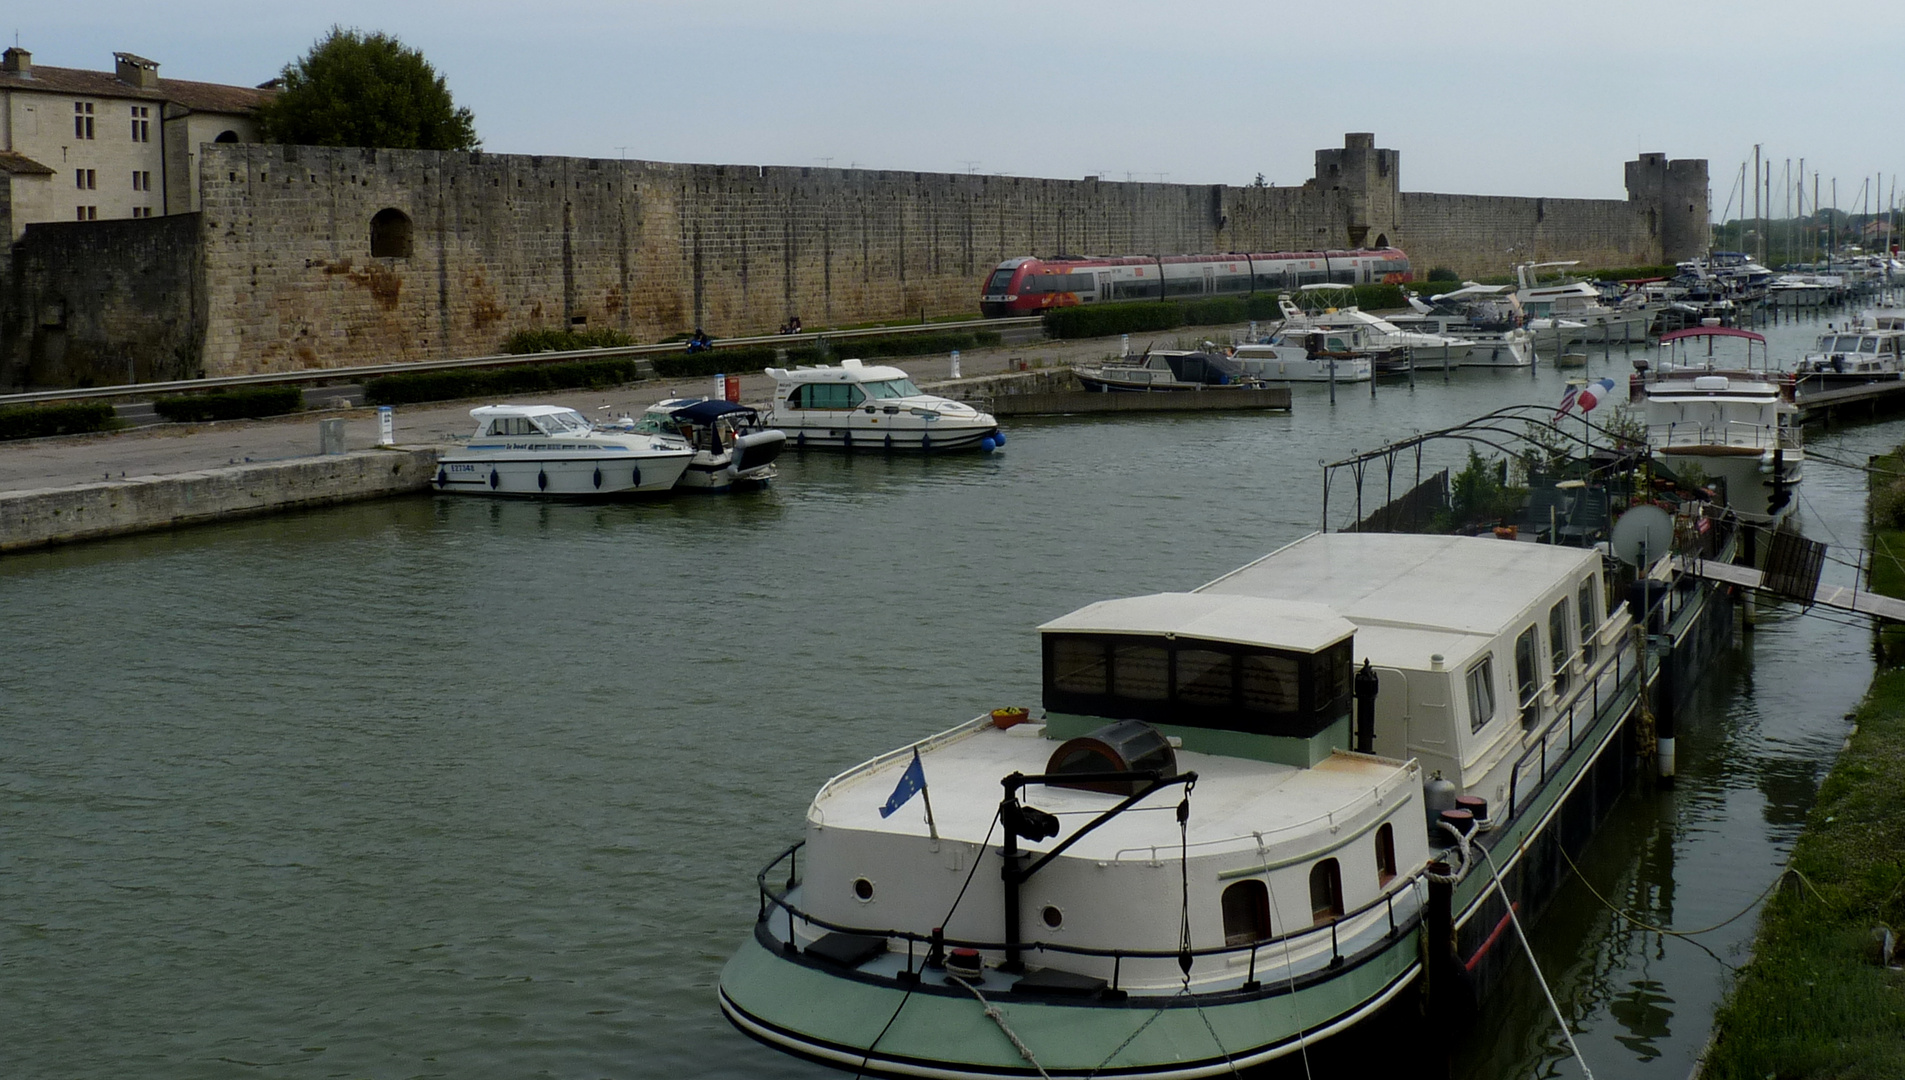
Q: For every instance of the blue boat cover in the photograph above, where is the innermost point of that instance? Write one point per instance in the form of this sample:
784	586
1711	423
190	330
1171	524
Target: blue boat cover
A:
703	411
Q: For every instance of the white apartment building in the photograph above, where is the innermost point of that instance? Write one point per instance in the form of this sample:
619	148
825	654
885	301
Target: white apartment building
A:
81	145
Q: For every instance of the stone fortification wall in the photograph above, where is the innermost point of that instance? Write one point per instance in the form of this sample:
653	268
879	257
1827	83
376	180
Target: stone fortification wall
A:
498	243
306	257
1478	235
103	302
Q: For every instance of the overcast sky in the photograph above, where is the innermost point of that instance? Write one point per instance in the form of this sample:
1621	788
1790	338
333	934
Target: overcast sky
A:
1485	98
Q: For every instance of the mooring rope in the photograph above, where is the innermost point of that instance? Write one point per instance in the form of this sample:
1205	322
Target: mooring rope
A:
908	996
999	1019
1289	969
1567	1032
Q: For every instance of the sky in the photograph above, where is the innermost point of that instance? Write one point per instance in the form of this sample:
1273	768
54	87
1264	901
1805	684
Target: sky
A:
1531	98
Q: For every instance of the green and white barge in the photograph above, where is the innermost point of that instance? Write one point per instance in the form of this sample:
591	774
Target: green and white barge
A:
1248	818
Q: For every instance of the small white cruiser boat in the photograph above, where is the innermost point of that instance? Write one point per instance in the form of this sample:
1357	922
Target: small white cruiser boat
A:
551	450
856	406
1859	353
1370	741
1314	357
1166	369
732	447
1374	332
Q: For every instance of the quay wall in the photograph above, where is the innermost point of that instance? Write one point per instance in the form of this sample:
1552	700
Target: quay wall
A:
30	519
320	257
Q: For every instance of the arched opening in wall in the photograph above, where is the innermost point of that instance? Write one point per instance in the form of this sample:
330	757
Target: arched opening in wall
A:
390	234
227	136
1382	240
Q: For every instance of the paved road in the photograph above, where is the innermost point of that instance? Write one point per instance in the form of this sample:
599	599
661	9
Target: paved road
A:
175	448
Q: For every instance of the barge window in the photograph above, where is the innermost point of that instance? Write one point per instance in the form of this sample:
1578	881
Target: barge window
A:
1385	854
1528	676
1481	694
1584	604
1077	666
1326	892
1205	677
1558	645
1246	913
1198	683
1141	672
1269	684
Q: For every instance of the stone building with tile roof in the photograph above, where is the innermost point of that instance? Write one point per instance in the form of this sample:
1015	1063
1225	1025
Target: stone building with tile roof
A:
79	145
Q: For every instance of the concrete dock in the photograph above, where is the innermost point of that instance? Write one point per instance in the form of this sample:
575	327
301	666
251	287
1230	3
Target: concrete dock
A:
82	487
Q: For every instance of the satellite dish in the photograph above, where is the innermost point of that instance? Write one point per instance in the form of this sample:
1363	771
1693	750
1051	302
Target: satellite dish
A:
1643	533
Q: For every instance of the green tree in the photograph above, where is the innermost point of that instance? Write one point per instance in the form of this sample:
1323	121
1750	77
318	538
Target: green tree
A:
357	89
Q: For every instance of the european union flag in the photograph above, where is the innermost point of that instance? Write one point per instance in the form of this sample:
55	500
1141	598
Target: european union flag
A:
912	782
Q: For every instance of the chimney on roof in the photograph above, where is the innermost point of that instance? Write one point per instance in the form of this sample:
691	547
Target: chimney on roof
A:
16	61
136	70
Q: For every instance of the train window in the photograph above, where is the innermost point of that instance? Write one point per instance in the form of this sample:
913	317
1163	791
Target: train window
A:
1135	290
1000	280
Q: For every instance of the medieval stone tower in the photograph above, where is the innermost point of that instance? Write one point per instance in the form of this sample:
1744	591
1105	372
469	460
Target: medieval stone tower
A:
1367	180
1674	196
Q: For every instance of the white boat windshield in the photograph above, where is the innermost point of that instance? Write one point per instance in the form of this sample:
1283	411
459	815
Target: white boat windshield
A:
891	388
567	422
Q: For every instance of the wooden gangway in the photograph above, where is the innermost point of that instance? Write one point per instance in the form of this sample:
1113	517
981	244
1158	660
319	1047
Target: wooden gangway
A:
1832	596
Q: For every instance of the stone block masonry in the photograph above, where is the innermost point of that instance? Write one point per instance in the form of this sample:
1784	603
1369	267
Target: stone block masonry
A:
308	257
103	302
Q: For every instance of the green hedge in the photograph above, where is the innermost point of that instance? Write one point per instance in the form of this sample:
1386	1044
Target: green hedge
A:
408	387
1138	316
66	418
230	404
756	357
550	340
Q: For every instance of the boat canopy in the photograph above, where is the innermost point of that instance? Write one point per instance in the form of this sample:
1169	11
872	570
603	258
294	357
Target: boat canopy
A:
702	412
1711	331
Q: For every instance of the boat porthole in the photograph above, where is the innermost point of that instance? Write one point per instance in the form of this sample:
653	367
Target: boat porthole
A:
862	889
1053	917
493	480
598	477
542	480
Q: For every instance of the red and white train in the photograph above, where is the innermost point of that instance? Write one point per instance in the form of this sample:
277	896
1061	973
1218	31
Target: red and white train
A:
1027	286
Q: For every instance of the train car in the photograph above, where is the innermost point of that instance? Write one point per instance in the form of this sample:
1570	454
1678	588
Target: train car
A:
1027	286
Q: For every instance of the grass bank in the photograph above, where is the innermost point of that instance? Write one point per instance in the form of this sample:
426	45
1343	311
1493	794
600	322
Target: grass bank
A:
1815	1002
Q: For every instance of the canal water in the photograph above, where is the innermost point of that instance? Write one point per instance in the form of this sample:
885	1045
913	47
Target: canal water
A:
454	787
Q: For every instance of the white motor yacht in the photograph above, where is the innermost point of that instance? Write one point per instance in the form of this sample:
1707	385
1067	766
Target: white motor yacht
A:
555	451
1732	427
856	406
1487	317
